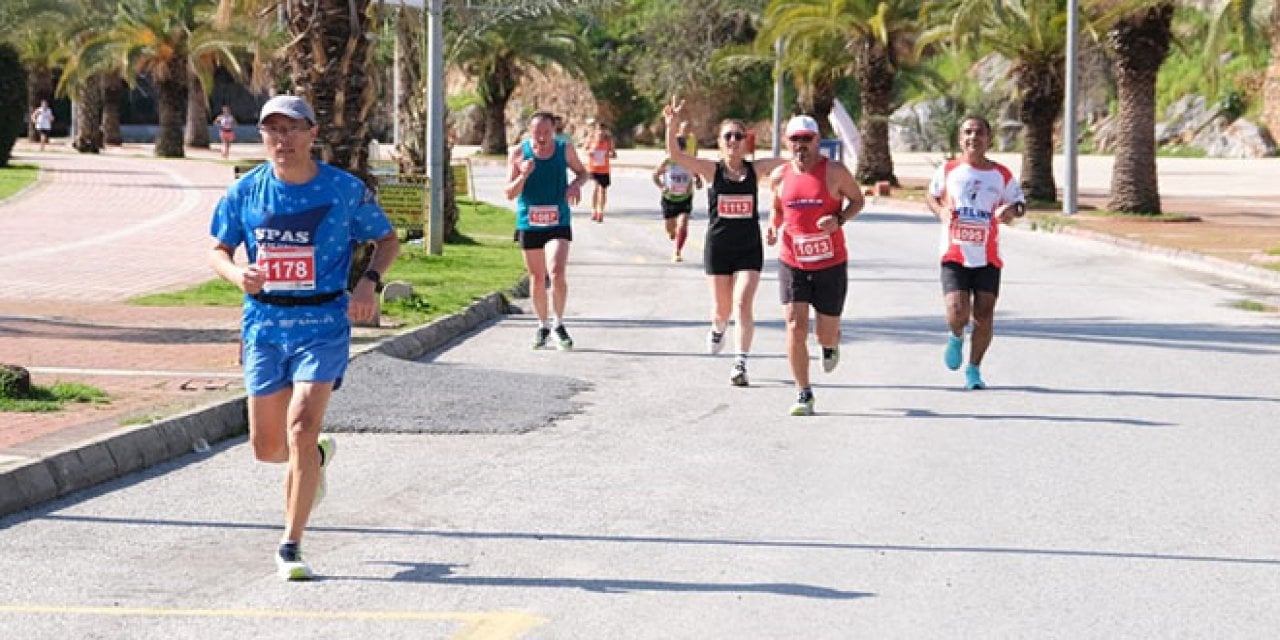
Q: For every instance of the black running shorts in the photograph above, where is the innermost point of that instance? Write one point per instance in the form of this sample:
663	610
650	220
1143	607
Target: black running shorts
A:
672	209
957	277
537	239
824	289
601	179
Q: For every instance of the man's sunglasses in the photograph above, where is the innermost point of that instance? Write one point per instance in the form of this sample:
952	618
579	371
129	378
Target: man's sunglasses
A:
733	135
801	139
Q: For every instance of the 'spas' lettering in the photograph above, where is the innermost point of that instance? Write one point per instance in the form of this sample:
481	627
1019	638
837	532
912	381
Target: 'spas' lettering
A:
264	234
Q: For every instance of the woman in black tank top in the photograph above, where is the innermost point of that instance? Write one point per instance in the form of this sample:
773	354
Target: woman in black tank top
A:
732	254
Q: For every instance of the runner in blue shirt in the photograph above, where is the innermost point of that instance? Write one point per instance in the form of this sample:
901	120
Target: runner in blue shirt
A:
299	221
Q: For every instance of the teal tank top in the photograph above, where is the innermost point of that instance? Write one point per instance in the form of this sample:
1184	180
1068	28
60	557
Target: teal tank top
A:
542	205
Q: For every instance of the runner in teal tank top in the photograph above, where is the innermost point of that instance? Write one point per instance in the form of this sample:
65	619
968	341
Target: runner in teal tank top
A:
536	180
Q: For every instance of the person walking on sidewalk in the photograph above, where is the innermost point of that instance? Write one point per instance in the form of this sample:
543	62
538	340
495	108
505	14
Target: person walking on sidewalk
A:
298	221
543	193
599	149
42	117
677	186
226	124
732	254
971	195
812	199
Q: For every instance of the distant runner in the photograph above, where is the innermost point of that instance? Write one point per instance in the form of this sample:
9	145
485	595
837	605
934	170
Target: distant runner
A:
677	186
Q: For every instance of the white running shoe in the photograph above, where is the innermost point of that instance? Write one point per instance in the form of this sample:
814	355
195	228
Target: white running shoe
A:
830	358
738	376
290	565
715	341
329	448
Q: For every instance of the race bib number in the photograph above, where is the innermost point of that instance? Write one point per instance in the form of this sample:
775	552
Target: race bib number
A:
288	268
813	248
544	216
735	206
969	233
677	183
598	157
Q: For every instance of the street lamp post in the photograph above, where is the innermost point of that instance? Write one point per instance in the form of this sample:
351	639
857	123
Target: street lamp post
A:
1069	135
435	128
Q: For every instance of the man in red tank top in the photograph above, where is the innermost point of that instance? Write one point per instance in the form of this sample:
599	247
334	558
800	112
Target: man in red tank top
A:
812	198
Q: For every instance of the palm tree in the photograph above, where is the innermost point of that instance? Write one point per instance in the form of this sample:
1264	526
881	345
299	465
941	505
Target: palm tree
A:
41	51
154	37
1138	38
880	36
1032	35
1240	16
330	56
499	56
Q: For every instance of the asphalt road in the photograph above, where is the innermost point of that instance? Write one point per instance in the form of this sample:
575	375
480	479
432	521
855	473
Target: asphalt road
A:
1118	479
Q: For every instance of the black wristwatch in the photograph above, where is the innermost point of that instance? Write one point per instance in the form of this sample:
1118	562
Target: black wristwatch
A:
376	277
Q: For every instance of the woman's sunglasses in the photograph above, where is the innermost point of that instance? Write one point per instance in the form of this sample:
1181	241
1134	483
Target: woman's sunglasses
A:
733	135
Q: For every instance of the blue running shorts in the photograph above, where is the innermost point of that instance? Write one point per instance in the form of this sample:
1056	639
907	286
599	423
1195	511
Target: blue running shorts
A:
272	366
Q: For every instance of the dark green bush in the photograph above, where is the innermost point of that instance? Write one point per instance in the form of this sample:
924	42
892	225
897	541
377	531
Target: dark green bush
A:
13	101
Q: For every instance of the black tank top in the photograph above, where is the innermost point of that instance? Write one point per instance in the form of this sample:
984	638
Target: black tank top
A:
722	186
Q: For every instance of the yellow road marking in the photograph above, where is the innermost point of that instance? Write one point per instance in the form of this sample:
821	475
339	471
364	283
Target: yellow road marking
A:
496	625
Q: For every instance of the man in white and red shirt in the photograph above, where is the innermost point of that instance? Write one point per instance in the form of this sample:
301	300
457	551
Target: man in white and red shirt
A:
812	199
971	196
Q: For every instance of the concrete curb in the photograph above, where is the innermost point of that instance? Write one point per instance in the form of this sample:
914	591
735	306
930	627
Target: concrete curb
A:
1255	276
25	484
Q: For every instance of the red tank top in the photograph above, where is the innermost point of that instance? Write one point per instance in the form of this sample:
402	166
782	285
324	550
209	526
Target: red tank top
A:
805	199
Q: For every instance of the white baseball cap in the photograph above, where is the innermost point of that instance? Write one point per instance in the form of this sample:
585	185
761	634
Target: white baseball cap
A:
802	124
291	106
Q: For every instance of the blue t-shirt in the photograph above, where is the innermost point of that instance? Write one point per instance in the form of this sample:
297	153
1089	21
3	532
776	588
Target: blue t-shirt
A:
303	235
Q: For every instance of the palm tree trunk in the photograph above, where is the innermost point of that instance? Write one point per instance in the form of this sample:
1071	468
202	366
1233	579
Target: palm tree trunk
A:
495	92
113	92
411	110
1271	86
172	105
331	59
89	117
875	79
1140	42
1042	92
495	128
197	115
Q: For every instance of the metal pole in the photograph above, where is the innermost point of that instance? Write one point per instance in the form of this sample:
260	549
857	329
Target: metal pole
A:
1069	116
777	98
395	80
435	131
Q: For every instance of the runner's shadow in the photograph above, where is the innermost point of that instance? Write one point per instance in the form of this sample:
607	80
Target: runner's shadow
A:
433	573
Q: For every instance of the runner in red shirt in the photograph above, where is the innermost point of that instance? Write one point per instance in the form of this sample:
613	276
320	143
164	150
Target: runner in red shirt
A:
971	195
812	199
599	150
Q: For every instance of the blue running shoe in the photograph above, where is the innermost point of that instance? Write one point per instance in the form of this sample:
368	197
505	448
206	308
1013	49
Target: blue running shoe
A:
973	378
955	352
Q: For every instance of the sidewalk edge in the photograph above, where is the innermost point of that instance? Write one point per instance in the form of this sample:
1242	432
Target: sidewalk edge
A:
115	455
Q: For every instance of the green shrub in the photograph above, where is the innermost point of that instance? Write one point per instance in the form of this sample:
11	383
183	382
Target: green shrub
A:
13	101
